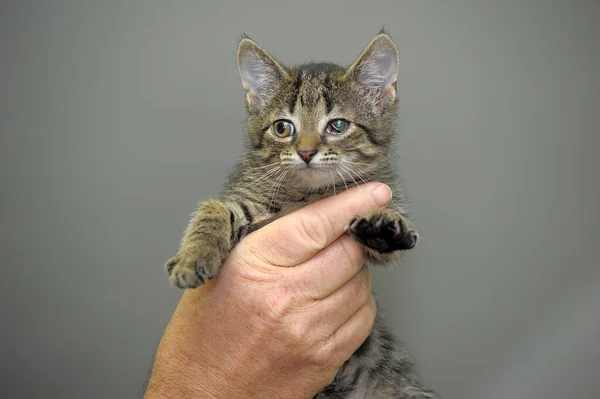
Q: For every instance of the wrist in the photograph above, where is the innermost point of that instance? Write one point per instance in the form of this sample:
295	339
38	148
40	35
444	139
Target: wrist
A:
177	378
183	367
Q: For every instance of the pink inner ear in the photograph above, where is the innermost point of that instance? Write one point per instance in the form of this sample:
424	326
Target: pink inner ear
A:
253	97
386	92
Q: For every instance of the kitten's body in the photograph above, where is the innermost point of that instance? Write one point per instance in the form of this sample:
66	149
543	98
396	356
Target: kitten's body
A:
284	172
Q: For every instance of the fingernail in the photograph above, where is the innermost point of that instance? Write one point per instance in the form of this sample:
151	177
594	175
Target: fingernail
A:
382	195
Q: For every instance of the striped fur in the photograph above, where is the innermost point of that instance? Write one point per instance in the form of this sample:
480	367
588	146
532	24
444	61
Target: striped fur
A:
273	180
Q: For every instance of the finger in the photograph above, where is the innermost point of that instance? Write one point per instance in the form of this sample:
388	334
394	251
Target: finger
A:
351	335
338	308
296	237
331	268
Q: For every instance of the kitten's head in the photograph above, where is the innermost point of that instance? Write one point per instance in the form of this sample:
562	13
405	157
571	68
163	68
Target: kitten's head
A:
321	123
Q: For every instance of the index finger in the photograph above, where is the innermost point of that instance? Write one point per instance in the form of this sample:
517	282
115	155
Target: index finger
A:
297	237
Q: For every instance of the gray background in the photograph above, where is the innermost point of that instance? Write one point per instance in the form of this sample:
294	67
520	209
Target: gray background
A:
116	117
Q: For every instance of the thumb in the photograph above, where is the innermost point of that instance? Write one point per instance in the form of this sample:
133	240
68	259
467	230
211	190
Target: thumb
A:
298	236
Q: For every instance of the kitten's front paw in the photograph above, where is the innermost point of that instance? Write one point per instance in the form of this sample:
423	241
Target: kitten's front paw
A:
192	270
383	231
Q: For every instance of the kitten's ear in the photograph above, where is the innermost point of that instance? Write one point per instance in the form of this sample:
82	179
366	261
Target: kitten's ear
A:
260	72
376	71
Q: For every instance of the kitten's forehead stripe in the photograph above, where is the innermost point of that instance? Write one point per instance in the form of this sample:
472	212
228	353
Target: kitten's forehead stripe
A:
312	84
296	91
310	90
326	94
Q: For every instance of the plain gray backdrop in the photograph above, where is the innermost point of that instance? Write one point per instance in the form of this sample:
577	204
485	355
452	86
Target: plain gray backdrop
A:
117	117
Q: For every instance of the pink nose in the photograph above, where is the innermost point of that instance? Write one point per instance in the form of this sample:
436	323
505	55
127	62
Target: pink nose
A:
307	155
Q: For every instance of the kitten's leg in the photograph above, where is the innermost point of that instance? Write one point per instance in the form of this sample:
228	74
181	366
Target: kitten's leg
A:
385	233
214	229
381	368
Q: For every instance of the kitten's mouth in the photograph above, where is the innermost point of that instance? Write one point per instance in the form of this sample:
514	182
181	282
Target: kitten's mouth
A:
312	169
313	176
307	167
313	166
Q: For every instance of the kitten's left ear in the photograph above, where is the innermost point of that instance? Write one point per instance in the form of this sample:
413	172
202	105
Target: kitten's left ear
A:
260	72
376	71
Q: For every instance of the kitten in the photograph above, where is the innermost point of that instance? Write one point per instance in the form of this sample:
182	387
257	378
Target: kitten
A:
313	130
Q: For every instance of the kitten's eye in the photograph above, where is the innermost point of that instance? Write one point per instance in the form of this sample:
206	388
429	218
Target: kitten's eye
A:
337	126
283	128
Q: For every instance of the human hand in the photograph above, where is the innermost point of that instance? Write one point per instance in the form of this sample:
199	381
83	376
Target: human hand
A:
290	305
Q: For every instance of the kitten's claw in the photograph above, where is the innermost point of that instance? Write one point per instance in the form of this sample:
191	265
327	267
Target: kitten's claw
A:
185	272
171	263
203	274
182	273
383	232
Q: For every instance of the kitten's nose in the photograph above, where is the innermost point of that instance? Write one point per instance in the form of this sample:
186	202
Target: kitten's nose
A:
306	155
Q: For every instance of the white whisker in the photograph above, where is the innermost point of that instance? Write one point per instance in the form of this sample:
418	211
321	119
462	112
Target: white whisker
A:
266	166
332	182
357	185
350	171
276	188
272	189
350	174
267	174
343	179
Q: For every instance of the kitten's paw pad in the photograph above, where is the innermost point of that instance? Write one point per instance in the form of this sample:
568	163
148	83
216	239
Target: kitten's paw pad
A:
188	272
383	232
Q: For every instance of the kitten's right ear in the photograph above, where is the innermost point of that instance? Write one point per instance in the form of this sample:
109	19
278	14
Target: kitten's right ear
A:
260	72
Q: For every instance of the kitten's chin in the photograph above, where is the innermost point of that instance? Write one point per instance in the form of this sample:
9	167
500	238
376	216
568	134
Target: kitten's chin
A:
313	179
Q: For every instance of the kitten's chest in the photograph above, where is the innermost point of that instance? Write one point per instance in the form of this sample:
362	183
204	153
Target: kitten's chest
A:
293	206
286	209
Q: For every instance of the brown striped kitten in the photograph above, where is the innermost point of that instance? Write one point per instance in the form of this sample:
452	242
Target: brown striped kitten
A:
315	130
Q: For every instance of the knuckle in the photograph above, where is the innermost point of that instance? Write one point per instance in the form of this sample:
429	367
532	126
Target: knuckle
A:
249	263
324	354
298	331
275	306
